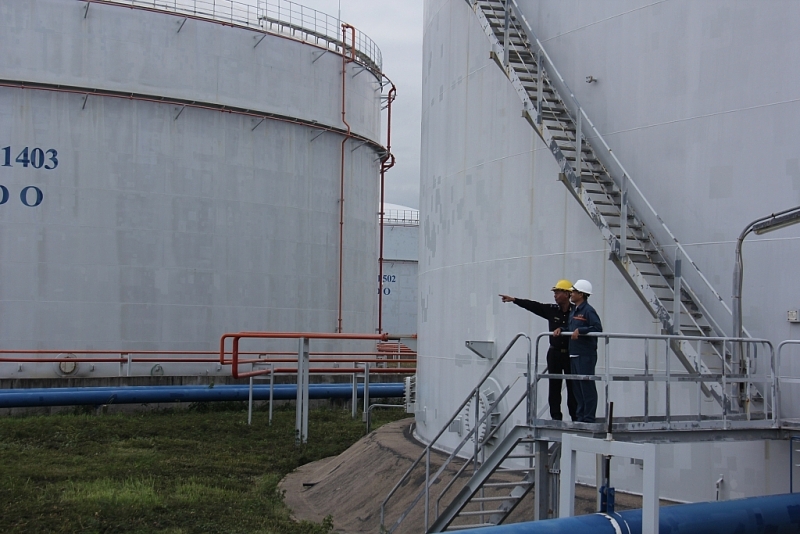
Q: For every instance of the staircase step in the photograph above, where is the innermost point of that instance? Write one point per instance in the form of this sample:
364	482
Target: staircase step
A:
480	512
501	484
490	499
465	527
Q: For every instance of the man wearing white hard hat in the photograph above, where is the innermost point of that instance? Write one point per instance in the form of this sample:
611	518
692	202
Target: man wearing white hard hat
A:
583	349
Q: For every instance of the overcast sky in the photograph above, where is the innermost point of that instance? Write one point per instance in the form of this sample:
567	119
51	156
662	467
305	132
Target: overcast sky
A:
396	27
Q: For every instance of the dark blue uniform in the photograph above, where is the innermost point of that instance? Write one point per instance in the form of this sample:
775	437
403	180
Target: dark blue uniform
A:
557	354
583	358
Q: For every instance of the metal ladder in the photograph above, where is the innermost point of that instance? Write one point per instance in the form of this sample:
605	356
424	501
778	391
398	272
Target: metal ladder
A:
644	250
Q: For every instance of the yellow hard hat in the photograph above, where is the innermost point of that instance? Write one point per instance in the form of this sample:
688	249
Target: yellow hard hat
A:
562	285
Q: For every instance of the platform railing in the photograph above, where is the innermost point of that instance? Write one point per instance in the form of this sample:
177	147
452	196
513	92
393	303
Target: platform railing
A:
659	375
781	377
282	17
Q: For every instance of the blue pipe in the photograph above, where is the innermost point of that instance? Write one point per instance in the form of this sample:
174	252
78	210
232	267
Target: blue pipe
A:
27	398
775	514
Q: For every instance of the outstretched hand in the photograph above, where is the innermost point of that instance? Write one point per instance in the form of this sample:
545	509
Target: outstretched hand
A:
506	298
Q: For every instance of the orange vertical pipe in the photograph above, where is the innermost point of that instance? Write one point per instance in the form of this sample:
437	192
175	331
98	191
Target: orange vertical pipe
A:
386	163
345	61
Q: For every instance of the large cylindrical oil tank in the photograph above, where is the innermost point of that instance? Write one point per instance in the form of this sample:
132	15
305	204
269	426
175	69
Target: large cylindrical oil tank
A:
700	102
172	172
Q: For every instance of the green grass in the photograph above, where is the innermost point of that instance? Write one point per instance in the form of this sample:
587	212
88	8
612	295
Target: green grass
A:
177	472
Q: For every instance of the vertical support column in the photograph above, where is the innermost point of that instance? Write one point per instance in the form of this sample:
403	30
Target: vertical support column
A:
566	504
301	412
650	504
542	489
599	477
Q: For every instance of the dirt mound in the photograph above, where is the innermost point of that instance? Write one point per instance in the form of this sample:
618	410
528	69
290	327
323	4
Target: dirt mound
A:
350	487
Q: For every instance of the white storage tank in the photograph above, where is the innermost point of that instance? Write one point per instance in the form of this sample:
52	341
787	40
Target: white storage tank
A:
399	277
173	173
700	103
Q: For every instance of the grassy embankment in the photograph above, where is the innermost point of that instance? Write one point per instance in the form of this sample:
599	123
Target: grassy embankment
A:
185	471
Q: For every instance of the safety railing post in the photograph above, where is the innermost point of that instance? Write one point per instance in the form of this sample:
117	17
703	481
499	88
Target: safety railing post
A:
427	485
607	378
271	389
506	23
539	88
646	380
366	389
676	303
669	381
623	218
301	412
250	400
578	147
725	389
354	398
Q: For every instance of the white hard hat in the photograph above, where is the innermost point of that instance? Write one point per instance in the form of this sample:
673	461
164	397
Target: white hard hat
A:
583	286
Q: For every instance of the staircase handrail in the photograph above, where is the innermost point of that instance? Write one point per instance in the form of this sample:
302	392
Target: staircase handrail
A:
489	435
430	445
713	304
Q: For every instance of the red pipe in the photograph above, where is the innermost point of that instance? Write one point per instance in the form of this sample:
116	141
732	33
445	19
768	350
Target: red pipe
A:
345	61
387	162
282	335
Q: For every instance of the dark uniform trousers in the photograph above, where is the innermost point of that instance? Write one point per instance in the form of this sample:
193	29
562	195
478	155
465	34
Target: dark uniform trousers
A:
558	364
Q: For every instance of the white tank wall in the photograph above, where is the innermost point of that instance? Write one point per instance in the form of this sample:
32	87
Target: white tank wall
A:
160	231
711	142
117	48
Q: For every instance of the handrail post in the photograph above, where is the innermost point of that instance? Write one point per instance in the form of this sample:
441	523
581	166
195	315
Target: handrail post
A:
607	380
250	399
427	484
506	23
366	389
578	141
354	398
539	88
623	218
646	381
676	303
271	389
301	412
669	380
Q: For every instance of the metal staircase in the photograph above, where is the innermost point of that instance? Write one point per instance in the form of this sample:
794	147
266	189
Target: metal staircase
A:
492	492
644	250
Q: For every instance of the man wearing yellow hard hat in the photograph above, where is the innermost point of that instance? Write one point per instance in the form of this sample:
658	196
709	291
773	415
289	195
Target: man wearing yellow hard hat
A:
558	361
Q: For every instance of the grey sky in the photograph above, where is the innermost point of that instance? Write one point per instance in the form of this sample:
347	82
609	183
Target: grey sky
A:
396	27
